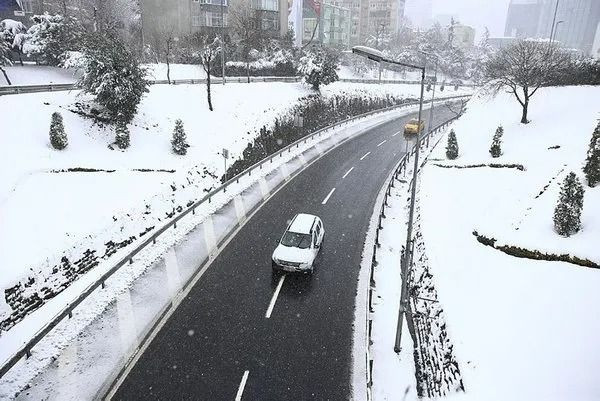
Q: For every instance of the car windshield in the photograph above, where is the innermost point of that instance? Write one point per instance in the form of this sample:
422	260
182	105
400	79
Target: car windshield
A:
296	240
413	122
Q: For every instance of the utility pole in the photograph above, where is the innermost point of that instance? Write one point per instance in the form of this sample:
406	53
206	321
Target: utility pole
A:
554	20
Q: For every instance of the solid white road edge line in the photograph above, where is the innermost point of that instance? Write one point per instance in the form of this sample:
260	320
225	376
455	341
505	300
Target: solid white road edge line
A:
382	143
347	172
274	297
365	155
238	396
327	197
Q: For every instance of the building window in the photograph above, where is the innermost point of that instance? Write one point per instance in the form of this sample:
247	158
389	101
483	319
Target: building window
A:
266	5
208	18
27	7
214	2
196	20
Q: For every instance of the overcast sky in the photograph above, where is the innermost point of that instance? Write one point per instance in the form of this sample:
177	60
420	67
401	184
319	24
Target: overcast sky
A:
476	13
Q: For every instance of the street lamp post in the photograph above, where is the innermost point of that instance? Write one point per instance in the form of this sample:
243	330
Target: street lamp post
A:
433	93
376	55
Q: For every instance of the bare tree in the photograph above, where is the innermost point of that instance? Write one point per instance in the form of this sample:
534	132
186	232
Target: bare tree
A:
242	19
456	107
522	69
164	42
204	50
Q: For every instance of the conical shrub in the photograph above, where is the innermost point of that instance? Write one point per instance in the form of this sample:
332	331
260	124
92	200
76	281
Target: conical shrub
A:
58	138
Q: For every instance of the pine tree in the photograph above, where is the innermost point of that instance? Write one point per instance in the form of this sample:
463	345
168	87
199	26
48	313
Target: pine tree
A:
179	141
122	135
496	148
567	215
592	162
58	138
452	147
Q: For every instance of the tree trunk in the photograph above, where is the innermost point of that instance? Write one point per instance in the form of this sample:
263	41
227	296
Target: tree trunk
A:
168	70
210	107
5	76
524	116
248	70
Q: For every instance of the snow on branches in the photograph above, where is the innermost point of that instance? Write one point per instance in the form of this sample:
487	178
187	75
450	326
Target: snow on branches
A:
319	67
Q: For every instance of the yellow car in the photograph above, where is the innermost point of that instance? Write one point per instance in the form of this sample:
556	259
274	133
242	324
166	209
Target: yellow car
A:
413	126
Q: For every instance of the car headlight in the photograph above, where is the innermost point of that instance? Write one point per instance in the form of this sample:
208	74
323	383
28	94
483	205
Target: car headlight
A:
304	265
277	261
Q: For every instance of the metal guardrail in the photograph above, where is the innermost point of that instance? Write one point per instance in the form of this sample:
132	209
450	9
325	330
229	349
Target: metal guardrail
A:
400	167
18	89
397	81
25	350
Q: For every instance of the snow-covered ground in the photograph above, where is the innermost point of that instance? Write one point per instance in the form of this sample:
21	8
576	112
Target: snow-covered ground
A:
32	74
521	329
177	71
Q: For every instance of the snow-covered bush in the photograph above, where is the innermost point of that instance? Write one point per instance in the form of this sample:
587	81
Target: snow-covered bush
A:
58	137
452	146
51	36
13	33
113	75
496	148
4	52
592	162
72	59
122	135
567	214
179	141
319	67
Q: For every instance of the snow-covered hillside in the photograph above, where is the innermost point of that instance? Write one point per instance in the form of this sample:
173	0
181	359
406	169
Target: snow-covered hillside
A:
521	329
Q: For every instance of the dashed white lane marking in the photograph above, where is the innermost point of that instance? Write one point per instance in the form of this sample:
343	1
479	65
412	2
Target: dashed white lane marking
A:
327	197
365	155
347	172
264	187
209	237
240	210
274	298
382	143
396	133
172	267
240	392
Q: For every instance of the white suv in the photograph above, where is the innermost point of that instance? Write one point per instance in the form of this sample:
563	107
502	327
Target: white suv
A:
300	244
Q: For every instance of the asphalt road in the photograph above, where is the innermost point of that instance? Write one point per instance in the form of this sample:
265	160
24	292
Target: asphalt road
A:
219	339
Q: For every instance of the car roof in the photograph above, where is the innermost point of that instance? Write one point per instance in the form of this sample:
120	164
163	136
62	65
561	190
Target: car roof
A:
413	121
302	223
